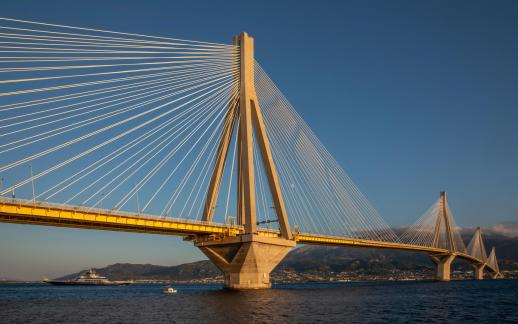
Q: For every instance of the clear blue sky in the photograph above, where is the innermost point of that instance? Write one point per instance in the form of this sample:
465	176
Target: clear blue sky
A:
411	97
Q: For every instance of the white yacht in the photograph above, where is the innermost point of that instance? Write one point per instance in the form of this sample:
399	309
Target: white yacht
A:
89	278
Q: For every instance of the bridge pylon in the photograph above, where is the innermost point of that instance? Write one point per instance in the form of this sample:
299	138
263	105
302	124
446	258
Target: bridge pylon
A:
247	259
443	236
492	263
477	249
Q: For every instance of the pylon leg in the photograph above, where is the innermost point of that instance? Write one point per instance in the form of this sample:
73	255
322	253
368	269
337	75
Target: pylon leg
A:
217	173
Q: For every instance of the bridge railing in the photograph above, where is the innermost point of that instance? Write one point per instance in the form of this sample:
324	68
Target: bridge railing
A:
100	211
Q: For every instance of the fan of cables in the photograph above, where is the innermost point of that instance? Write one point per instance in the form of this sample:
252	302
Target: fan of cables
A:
111	120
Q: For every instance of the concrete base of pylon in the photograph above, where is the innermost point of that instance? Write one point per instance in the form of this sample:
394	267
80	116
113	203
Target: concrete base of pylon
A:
246	260
443	266
478	270
497	275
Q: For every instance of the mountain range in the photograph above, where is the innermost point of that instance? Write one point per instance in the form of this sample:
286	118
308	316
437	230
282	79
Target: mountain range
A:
325	261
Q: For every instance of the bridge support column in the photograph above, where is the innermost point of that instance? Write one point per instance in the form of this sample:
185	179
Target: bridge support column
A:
478	270
443	265
246	260
496	275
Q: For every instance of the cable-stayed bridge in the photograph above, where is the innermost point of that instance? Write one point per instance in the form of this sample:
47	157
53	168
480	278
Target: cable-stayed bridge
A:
127	132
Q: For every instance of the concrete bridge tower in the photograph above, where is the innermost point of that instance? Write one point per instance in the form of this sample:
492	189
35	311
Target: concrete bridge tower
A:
477	249
443	227
246	260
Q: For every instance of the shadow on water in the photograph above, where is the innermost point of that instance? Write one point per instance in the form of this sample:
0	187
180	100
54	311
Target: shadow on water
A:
413	301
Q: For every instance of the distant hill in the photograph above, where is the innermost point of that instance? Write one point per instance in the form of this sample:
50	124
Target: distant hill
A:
337	259
319	259
183	272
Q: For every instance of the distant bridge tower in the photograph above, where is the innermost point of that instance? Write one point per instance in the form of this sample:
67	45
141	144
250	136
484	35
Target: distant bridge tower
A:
477	249
248	259
493	263
446	236
443	237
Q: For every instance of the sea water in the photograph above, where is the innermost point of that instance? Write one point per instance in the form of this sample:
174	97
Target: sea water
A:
488	301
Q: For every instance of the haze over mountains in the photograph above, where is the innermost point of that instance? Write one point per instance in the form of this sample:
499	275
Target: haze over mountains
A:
508	229
324	260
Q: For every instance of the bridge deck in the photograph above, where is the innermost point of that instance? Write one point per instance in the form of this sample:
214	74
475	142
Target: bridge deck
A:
42	213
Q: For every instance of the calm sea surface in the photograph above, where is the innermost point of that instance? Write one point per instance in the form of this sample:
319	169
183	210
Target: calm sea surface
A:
488	301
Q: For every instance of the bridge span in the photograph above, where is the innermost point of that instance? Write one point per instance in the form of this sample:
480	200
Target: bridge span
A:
180	127
21	211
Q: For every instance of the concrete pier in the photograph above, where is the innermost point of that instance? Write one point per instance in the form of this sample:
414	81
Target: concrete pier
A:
443	266
247	260
478	270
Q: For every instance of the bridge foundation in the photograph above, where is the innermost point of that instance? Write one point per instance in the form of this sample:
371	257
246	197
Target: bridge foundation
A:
443	266
496	275
246	260
478	270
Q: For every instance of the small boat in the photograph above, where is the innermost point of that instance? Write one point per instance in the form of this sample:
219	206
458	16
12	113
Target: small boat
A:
169	290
